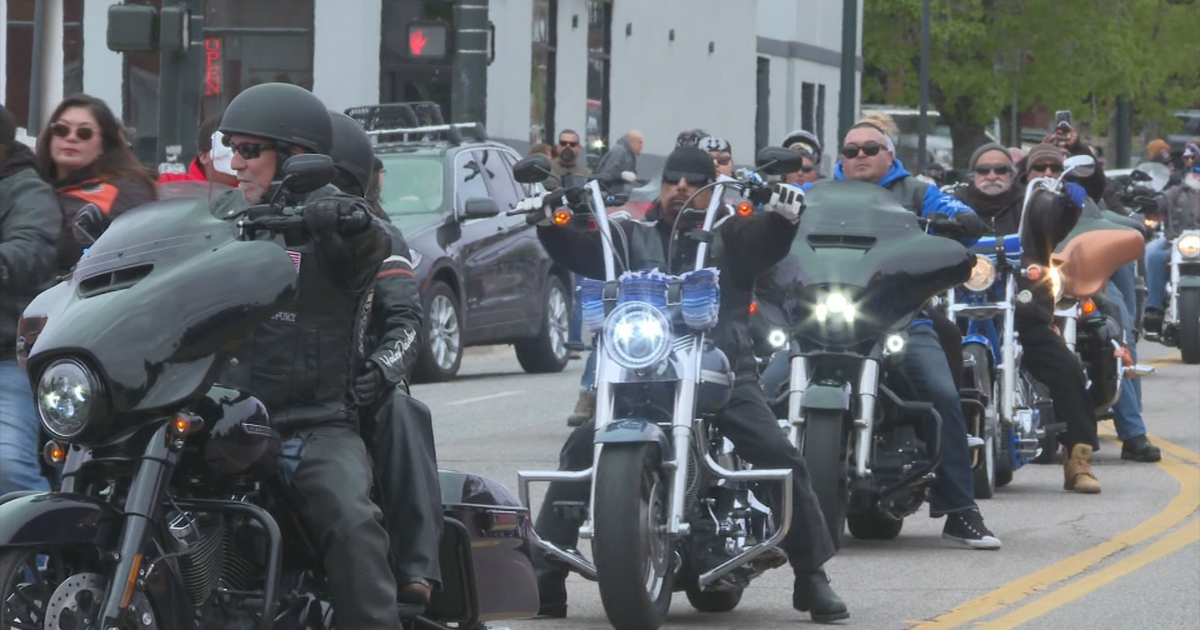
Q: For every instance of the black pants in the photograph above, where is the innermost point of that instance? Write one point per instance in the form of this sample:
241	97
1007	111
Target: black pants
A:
754	431
1049	360
399	432
330	469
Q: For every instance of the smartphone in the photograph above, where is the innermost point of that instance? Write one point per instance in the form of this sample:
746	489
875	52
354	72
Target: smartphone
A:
1062	119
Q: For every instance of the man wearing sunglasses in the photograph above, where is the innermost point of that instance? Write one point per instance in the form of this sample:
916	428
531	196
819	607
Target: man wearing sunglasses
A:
742	248
993	192
566	160
302	364
808	145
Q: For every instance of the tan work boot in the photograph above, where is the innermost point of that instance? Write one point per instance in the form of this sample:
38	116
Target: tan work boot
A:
1077	470
584	409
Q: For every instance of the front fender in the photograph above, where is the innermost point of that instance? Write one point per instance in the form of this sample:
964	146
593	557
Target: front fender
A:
58	519
1189	282
831	397
633	431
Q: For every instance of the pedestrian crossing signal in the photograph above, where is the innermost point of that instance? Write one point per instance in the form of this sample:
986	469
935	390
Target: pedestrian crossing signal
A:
428	40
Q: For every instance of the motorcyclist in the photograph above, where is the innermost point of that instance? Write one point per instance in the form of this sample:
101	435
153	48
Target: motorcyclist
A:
869	154
742	248
566	160
1182	204
302	364
399	429
807	144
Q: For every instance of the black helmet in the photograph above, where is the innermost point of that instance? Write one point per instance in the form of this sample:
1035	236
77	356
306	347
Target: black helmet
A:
282	112
352	151
807	141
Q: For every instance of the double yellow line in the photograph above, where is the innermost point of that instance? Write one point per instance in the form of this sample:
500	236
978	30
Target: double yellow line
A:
1186	502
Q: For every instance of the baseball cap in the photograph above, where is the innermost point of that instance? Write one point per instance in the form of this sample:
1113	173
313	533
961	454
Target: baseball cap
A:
222	155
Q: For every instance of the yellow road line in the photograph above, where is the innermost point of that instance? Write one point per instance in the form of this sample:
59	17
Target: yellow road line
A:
1183	505
1187	535
1174	358
1176	450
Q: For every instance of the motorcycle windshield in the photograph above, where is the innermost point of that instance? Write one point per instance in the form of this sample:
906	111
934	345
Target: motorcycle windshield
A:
160	301
856	240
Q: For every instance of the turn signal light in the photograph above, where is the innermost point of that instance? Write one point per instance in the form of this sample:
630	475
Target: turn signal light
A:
54	453
562	217
1089	307
1034	272
753	307
745	209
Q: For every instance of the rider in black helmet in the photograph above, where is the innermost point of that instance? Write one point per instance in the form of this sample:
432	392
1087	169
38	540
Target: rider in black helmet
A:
302	364
398	428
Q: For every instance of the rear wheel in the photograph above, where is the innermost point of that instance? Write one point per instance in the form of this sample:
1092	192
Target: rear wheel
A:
985	468
548	351
1188	305
634	558
826	458
1004	458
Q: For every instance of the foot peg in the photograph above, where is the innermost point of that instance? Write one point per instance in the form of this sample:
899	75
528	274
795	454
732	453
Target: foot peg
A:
974	442
1139	370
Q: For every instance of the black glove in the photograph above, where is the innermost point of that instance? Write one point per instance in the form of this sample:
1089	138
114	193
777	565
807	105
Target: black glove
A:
369	384
341	215
961	225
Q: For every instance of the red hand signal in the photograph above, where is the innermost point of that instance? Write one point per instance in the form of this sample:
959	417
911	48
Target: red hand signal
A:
416	42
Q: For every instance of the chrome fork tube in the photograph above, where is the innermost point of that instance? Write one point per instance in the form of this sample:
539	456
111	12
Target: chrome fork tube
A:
681	441
864	426
798	382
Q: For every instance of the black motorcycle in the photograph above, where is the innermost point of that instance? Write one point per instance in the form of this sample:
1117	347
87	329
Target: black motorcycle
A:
173	512
861	269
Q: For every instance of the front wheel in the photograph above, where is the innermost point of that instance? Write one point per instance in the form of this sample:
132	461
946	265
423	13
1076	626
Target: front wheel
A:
985	467
634	557
1188	305
547	352
442	355
826	457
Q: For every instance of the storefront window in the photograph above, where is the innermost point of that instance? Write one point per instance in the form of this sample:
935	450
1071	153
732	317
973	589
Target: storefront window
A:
599	55
545	41
18	39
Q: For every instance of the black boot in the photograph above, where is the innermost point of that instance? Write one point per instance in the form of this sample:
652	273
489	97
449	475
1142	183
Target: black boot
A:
811	593
1152	320
1139	449
552	594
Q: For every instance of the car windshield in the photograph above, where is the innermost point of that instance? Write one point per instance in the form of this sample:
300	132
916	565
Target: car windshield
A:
412	184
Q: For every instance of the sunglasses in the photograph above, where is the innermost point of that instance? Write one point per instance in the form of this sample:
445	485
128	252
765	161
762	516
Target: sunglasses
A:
63	130
697	180
999	169
870	149
807	169
1049	168
723	160
249	150
566	143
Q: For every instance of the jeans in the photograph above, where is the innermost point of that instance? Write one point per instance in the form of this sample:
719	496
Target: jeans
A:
1127	413
20	433
1158	253
575	324
588	380
926	366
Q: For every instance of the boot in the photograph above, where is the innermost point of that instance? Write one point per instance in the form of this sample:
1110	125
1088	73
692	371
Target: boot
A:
1077	470
552	595
811	593
585	408
1139	449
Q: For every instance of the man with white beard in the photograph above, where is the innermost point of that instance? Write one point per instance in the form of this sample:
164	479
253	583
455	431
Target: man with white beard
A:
992	191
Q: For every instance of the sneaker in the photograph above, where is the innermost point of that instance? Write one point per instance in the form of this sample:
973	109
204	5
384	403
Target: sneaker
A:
1139	449
967	529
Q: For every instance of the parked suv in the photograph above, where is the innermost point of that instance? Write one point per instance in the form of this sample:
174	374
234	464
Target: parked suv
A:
484	277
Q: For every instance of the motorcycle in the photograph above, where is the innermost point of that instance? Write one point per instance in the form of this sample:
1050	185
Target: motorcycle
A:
861	269
672	506
173	511
1181	318
1139	192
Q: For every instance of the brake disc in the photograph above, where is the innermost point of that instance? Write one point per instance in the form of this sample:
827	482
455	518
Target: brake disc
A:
77	602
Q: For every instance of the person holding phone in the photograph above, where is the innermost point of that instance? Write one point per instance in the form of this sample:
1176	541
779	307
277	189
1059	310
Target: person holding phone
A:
1067	138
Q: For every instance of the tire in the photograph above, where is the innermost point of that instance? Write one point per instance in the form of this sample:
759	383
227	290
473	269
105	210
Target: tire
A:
1188	305
547	353
1004	458
874	526
634	571
32	602
441	355
713	601
825	455
984	472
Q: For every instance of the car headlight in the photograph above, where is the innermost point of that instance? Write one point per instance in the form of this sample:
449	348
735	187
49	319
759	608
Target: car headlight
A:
777	338
1189	245
983	275
637	335
68	395
836	304
1056	283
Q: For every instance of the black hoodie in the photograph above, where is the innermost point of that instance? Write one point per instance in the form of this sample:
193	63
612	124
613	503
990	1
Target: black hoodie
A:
30	224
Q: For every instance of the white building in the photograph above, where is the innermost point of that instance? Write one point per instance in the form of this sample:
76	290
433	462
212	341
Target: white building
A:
746	70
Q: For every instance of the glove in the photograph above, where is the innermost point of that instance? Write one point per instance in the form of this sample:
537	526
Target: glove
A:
536	210
341	215
970	225
787	201
368	385
1076	194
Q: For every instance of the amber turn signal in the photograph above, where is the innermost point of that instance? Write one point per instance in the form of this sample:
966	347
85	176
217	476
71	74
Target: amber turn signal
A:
1089	307
54	453
562	217
745	209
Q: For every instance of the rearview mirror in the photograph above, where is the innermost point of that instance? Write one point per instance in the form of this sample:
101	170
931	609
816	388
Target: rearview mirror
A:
479	208
89	225
1080	165
307	172
779	161
532	170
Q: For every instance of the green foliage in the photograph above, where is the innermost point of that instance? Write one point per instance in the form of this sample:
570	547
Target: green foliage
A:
1057	53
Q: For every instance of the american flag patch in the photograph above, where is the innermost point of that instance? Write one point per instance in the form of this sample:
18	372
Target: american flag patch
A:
295	256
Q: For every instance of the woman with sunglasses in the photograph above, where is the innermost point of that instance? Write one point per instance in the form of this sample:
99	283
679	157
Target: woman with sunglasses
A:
83	154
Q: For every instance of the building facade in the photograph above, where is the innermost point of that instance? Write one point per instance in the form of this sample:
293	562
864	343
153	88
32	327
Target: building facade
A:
746	70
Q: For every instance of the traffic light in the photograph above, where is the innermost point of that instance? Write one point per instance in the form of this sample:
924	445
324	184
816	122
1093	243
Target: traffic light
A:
428	40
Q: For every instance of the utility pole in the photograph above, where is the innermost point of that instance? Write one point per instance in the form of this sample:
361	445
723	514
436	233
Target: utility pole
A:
923	121
468	92
1124	156
848	96
181	60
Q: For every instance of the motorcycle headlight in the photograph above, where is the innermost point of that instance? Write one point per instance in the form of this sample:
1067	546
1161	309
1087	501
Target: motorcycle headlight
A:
777	338
1056	283
836	304
1189	245
68	396
637	335
983	275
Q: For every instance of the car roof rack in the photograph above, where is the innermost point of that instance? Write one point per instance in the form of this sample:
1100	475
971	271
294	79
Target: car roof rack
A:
402	121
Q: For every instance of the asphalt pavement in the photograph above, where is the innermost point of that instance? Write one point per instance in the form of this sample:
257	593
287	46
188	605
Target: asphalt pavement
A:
1126	558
